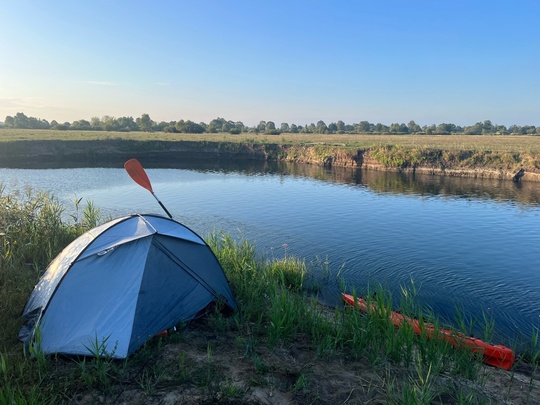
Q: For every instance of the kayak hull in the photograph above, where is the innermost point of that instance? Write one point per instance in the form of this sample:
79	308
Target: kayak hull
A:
494	355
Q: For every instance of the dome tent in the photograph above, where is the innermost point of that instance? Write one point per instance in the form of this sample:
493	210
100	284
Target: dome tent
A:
119	284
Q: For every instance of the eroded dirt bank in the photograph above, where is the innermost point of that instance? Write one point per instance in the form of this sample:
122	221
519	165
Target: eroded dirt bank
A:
465	163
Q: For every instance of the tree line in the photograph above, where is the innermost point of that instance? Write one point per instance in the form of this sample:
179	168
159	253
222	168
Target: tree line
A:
145	124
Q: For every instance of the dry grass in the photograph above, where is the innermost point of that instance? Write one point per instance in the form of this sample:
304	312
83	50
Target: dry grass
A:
496	143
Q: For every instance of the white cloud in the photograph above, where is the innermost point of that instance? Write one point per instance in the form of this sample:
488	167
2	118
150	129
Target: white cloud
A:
11	103
98	83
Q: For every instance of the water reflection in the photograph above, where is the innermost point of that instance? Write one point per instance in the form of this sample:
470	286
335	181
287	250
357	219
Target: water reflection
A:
450	235
523	193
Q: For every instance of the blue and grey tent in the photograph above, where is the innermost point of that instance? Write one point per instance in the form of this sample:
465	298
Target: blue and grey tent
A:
121	283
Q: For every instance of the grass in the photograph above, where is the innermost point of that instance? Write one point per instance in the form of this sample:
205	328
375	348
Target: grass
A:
512	144
277	311
488	155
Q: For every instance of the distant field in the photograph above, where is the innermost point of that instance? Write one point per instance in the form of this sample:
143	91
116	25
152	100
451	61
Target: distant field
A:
494	143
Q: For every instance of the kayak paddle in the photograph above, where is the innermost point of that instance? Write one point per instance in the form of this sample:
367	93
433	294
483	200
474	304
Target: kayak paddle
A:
139	176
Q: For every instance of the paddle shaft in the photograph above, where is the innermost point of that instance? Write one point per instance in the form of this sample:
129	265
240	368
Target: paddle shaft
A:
162	206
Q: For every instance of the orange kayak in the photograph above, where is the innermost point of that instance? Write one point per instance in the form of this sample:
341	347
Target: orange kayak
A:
494	355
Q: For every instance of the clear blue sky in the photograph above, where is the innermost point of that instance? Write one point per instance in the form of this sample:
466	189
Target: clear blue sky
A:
432	61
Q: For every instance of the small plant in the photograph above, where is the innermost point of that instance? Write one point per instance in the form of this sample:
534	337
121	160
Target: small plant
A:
283	317
260	365
96	372
421	390
150	379
301	383
185	367
229	391
36	351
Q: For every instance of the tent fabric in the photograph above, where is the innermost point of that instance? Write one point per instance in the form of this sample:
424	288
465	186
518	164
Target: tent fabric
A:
121	283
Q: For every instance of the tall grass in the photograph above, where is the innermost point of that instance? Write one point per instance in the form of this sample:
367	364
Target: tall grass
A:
276	308
32	233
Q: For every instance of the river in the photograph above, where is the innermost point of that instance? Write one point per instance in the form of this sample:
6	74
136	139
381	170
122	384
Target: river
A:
465	243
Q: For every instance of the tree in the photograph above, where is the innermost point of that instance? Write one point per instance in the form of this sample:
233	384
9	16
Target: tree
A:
126	124
270	126
501	130
321	128
108	123
340	125
380	128
81	125
413	127
180	126
9	122
191	127
475	129
95	123
226	126
239	125
332	127
445	129
159	127
145	123
363	127
204	125
529	129
262	126
394	128
216	125
63	127
20	121
284	127
487	127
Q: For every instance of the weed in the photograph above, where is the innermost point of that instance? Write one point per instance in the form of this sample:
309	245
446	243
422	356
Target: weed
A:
96	372
301	383
150	379
229	391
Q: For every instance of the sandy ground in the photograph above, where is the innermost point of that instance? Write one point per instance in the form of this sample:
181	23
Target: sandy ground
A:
203	367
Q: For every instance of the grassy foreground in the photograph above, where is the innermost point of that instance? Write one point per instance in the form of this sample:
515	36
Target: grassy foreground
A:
280	347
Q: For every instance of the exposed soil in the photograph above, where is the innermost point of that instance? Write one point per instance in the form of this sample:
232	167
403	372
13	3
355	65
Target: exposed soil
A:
87	153
199	366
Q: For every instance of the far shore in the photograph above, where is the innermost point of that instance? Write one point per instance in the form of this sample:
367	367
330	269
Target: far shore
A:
480	156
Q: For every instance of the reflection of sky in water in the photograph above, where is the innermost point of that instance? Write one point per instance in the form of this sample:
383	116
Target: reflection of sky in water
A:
474	251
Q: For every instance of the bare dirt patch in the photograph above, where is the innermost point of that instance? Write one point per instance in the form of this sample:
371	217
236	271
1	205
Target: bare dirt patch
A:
202	366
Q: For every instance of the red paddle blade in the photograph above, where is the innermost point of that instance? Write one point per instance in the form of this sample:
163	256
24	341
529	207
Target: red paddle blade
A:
137	173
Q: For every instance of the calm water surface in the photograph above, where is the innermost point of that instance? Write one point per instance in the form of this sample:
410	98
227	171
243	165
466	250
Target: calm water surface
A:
467	243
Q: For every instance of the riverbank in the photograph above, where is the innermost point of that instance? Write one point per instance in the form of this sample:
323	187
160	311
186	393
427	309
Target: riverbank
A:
479	156
281	347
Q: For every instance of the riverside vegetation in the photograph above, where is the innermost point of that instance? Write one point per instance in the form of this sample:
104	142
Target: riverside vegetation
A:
494	156
280	347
